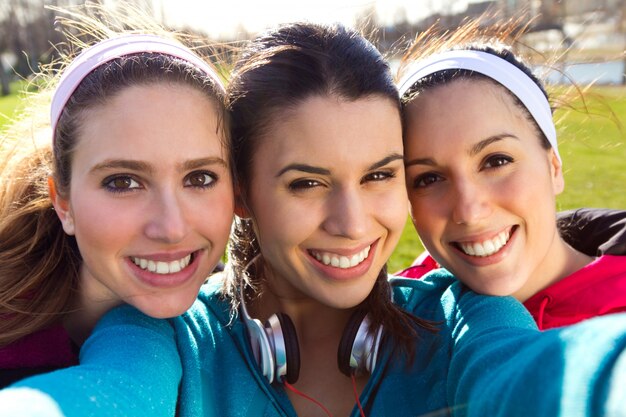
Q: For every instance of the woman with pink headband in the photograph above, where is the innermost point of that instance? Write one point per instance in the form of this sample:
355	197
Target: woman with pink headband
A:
483	170
129	201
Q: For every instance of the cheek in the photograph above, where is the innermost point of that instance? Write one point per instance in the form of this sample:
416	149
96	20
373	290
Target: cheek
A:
528	191
214	215
425	210
395	208
101	224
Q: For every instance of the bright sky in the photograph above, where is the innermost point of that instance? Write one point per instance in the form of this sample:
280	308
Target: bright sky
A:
225	16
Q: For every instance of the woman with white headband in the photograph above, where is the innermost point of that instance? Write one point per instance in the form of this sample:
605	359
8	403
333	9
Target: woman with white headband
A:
483	170
129	200
305	322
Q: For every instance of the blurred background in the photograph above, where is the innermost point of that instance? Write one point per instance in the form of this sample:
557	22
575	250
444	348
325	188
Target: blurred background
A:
592	31
584	40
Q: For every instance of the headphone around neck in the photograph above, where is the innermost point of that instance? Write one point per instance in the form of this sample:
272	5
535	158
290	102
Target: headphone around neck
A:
276	350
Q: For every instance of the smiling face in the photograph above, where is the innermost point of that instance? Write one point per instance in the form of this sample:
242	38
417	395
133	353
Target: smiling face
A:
150	200
327	198
482	188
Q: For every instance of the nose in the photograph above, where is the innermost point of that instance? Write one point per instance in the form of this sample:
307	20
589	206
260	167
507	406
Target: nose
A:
166	218
347	214
470	203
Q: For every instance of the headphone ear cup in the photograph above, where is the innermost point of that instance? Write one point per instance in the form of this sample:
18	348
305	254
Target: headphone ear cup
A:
292	349
261	346
345	360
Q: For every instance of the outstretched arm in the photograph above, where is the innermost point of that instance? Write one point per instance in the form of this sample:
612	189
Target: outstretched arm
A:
129	367
499	370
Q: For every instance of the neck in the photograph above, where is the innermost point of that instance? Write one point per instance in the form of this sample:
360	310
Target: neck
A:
319	328
315	322
87	309
560	262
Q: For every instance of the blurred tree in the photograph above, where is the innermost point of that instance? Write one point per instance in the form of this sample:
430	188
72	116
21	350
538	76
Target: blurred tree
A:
27	34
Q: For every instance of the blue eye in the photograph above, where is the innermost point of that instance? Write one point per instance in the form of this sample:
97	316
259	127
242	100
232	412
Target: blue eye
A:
200	179
120	183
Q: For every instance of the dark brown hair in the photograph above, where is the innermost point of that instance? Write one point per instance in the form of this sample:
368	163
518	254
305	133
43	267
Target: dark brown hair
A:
276	73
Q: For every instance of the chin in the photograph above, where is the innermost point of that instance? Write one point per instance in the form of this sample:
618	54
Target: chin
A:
346	302
162	309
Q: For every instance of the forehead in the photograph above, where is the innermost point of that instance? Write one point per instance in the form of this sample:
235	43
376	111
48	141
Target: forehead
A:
145	119
463	111
472	102
336	127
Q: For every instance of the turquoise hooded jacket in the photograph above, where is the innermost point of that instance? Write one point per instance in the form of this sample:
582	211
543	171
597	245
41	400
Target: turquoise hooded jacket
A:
487	359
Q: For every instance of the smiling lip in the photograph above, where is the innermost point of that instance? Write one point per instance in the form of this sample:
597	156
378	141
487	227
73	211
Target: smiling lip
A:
486	251
167	270
342	264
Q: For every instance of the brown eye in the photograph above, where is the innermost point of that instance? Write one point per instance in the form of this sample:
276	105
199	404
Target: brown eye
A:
427	179
303	184
120	183
496	161
379	176
200	179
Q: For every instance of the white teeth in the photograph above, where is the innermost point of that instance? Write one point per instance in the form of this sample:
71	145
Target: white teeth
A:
160	267
175	267
487	247
343	262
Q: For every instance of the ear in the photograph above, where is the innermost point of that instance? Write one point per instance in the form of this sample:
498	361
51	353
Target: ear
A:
61	207
556	173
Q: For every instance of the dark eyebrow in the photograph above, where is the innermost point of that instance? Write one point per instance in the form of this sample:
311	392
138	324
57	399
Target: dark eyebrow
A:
323	171
140	166
124	164
304	168
420	161
476	148
199	163
385	161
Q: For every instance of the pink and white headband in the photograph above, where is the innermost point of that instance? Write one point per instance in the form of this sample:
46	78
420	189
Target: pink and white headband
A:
110	49
496	68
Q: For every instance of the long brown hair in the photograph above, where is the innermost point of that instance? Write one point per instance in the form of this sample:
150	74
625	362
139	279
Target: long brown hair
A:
39	263
277	72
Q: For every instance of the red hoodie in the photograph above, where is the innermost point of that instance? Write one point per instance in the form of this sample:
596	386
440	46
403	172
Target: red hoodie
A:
595	290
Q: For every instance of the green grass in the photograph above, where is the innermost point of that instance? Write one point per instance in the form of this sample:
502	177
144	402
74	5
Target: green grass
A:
593	148
10	104
592	145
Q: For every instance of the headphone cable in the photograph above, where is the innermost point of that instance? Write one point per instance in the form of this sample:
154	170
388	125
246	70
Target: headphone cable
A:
356	395
300	393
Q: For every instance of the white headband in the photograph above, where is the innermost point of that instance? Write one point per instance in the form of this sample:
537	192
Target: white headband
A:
110	49
500	70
